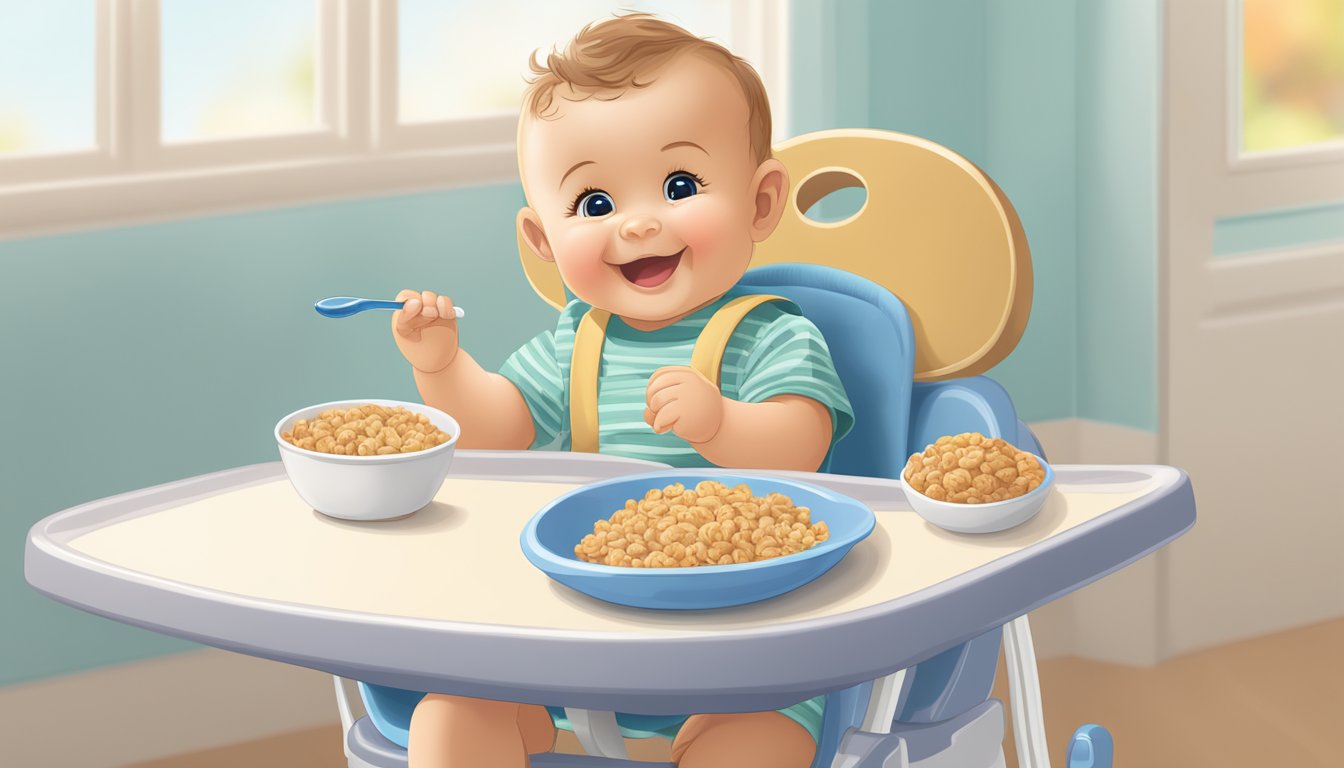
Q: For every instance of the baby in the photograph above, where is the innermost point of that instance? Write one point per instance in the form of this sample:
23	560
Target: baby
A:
645	157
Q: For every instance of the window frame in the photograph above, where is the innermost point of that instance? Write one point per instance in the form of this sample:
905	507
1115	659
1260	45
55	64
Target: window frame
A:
362	149
330	137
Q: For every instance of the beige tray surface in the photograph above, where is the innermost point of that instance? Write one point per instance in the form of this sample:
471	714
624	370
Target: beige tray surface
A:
459	559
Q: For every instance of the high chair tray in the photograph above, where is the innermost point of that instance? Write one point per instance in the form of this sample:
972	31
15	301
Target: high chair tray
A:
445	600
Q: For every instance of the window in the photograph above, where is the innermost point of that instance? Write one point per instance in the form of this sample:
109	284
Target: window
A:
1292	74
168	107
246	68
54	113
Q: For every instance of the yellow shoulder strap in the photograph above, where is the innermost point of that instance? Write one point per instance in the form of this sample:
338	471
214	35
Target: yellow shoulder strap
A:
583	369
586	361
707	356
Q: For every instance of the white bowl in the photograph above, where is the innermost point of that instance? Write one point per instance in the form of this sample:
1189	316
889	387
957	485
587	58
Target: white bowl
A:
368	487
981	518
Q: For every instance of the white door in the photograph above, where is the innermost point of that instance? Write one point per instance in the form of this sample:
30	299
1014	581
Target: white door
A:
1253	252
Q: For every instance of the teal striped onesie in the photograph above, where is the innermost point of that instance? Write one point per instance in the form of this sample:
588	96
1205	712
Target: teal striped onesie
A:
774	351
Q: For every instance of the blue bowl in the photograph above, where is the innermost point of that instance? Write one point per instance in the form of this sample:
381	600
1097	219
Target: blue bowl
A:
549	539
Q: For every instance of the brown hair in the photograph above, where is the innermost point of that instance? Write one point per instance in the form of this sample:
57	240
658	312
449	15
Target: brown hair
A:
607	57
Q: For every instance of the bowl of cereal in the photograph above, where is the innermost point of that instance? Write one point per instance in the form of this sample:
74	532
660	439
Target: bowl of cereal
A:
970	483
367	459
693	539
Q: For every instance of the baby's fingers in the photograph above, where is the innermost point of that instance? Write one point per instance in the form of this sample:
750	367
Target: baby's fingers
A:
420	310
445	308
411	318
405	317
410	313
667	417
429	305
664	377
664	396
403	320
417	313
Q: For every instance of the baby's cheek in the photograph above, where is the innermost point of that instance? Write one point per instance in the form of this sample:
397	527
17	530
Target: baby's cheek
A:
579	257
709	227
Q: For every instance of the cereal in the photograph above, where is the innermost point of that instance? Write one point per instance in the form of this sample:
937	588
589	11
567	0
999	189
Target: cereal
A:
675	527
366	430
973	469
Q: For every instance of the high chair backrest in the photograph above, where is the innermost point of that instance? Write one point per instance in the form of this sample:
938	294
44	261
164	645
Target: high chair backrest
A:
935	231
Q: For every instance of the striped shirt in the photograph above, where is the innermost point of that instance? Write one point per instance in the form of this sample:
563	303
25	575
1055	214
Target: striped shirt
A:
774	351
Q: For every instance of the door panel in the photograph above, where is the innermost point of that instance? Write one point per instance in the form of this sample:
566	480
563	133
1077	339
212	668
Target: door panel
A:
1253	363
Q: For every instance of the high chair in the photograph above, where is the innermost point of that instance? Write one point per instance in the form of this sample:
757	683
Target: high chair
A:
922	290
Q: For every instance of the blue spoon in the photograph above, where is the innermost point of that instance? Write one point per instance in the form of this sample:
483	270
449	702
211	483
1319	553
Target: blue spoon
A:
345	306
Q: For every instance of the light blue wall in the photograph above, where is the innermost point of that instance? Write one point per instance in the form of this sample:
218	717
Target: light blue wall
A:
995	82
140	355
129	333
1118	86
828	81
929	71
1030	151
1058	101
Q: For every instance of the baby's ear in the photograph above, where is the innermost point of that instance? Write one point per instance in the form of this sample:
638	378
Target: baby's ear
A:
770	188
531	233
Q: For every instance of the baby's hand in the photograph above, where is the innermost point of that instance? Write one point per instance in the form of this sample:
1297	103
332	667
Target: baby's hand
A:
425	330
680	399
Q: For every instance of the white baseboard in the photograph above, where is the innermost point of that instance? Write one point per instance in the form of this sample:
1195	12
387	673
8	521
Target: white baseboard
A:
149	710
1115	619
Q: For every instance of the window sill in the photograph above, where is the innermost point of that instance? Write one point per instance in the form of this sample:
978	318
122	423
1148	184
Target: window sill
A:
45	208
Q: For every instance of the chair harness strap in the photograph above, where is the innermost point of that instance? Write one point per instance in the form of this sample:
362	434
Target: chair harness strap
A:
706	357
583	368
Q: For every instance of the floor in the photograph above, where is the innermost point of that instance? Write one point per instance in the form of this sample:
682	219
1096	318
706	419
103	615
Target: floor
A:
1273	700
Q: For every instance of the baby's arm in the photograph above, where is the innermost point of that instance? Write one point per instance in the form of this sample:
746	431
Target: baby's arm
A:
781	432
487	406
784	432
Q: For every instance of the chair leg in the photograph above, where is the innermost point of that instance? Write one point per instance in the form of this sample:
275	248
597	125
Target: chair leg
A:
882	703
347	720
1024	687
343	704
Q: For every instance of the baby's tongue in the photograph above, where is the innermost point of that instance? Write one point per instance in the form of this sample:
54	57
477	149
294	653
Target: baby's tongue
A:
651	271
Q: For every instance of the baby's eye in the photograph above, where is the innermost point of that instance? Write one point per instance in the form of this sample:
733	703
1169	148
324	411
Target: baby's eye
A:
679	186
595	204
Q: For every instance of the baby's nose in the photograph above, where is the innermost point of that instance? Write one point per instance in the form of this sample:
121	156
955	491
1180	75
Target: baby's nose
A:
640	226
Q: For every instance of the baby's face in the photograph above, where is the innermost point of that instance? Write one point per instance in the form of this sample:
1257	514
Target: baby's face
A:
649	203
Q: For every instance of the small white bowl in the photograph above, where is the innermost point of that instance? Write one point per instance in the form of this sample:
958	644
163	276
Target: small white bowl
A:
368	487
981	518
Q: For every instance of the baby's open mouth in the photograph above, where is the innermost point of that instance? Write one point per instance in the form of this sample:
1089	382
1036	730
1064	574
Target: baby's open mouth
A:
652	271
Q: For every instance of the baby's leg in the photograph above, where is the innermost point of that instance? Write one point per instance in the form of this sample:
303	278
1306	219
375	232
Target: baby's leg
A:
460	732
538	731
748	740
